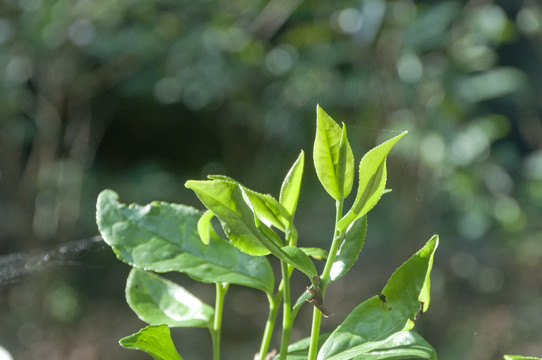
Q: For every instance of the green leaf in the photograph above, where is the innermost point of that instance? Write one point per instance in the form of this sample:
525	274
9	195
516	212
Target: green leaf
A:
163	237
350	248
265	206
333	157
156	301
291	186
155	340
372	323
300	260
405	345
519	357
225	199
300	349
315	253
290	254
372	181
205	227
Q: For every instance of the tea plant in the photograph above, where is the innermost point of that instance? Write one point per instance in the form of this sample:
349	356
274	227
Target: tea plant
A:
162	237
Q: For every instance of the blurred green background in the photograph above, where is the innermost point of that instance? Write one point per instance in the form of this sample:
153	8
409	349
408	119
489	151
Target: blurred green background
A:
141	95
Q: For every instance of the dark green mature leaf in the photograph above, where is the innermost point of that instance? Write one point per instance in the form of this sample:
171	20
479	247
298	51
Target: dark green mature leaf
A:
374	321
290	254
291	186
300	260
163	237
405	345
225	199
157	301
372	181
335	168
350	248
155	340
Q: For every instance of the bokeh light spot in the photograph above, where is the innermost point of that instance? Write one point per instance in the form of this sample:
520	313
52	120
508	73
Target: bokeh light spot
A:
350	20
167	90
82	32
409	68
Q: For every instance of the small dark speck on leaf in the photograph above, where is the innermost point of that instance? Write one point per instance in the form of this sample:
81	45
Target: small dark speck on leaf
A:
382	297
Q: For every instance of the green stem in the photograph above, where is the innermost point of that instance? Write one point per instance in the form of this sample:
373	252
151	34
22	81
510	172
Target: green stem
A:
324	279
286	312
270	324
221	289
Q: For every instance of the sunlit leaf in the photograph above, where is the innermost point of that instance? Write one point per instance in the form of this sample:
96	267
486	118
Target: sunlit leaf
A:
291	186
373	322
350	248
265	206
205	227
315	253
163	237
519	357
225	199
372	181
155	340
335	168
159	301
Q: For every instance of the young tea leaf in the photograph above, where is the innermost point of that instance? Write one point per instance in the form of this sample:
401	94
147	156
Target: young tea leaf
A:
205	227
291	186
225	199
372	181
157	301
333	157
155	340
519	357
163	237
372	323
265	206
315	253
350	248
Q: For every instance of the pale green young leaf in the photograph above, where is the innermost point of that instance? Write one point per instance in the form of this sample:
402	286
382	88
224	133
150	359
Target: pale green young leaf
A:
163	237
225	199
350	248
157	301
205	227
265	206
315	253
519	357
335	168
374	321
155	340
291	186
372	181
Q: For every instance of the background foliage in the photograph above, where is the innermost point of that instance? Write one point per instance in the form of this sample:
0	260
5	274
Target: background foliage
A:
141	95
